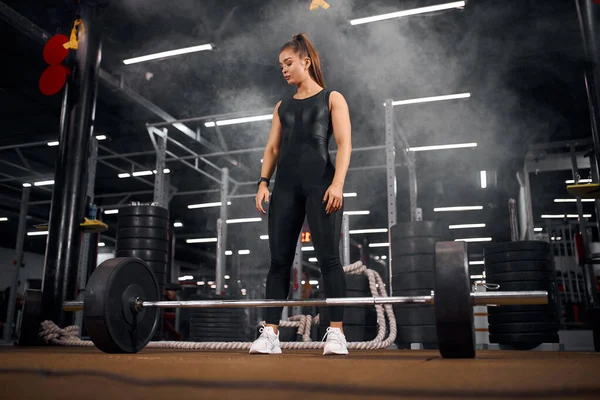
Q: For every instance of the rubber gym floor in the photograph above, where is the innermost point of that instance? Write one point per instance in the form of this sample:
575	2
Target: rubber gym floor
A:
86	373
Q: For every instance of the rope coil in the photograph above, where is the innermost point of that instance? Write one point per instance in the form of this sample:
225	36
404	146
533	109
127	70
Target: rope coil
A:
69	336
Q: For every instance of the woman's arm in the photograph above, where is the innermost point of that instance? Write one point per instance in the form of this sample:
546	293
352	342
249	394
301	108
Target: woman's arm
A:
272	149
340	118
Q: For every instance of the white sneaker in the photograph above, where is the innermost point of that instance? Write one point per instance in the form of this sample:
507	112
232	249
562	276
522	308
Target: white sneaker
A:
336	342
267	342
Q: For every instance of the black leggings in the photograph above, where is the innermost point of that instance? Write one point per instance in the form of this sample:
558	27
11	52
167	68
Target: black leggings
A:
287	209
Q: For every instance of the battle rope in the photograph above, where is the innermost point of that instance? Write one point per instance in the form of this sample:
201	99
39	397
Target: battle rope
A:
69	336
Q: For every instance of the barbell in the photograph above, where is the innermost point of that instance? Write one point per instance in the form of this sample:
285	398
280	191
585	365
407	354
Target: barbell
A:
121	302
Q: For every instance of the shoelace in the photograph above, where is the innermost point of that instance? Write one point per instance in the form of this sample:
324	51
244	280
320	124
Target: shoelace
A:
336	336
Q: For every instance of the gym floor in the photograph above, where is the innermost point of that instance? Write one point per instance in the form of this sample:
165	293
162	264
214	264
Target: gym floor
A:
85	373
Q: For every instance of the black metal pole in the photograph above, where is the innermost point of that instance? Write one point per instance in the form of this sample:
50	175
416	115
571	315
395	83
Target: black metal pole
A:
69	193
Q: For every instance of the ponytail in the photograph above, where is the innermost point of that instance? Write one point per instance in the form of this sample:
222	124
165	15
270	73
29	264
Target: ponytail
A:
304	48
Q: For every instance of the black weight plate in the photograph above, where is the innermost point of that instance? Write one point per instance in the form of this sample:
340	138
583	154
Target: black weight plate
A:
414	245
413	280
515	338
143	244
161	279
417	292
522	308
352	316
519	266
107	312
139	233
158	267
413	263
419	229
411	314
144	211
31	318
354	333
533	316
512	256
523	327
416	334
357	282
146	255
453	305
524	285
524	245
143	222
358	293
520	277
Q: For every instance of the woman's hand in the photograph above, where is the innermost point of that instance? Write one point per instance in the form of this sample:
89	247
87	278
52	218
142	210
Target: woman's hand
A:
333	198
262	195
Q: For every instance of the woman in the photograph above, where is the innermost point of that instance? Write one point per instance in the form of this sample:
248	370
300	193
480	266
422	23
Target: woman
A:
307	184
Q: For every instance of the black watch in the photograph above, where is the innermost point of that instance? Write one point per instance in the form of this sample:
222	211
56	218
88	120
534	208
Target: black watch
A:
263	180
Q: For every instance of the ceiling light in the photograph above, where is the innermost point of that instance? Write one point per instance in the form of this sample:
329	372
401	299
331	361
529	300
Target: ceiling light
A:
44	183
379	244
27	185
359	231
556	238
142	173
166	171
357	212
384	257
351	194
3	219
202	240
466	226
200	283
458	208
431	99
573	200
480	239
243	252
308	248
37	233
538	229
228	252
483	179
476	262
313	259
313	282
243	220
100	137
53	144
186	278
572	181
264	237
169	53
405	13
443	147
108	212
477	277
207	205
227	277
178	225
551	216
239	120
124	175
101	244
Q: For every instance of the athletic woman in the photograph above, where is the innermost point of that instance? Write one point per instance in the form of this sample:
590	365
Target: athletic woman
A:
307	184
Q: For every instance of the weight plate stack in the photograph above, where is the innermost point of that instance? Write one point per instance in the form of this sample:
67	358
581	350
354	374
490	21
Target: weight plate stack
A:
360	322
413	274
518	266
217	324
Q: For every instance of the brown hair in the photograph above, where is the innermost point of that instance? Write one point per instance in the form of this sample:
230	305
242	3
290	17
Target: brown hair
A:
304	48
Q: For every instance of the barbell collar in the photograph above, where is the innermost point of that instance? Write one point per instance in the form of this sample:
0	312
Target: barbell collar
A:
478	299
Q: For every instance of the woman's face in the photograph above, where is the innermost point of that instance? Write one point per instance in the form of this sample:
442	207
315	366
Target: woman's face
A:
293	69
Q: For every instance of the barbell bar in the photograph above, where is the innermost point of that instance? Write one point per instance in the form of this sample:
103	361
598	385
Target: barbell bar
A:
121	303
478	299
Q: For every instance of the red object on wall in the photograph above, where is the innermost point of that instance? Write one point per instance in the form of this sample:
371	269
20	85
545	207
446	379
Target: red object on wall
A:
54	51
53	79
579	248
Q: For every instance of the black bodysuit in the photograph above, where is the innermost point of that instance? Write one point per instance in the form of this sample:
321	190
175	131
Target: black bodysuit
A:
304	173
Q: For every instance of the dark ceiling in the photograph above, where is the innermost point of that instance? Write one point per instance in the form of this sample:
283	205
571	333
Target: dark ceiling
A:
522	62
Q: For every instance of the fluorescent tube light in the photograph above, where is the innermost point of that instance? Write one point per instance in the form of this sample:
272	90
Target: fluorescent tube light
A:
108	212
308	248
483	178
357	212
573	200
351	194
169	53
44	183
243	220
406	13
243	252
264	237
313	259
431	99
53	144
202	240
466	226
359	231
207	205
379	244
458	208
178	225
443	147
480	239
239	120
37	233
